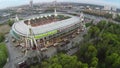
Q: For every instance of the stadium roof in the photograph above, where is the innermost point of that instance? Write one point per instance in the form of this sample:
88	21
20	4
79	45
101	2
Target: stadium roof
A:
22	29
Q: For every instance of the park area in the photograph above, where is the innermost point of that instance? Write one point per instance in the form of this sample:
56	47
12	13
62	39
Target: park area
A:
3	54
4	29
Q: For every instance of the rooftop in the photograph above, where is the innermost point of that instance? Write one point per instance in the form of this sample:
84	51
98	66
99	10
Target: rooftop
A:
22	29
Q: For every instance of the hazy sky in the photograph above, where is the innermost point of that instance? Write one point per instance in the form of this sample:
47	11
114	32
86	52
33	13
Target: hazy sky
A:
9	3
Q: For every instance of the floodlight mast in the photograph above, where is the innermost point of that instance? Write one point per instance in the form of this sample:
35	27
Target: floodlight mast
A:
16	18
55	12
30	40
82	16
31	4
82	20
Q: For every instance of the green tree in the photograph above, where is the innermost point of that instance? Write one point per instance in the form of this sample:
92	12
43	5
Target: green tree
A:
55	65
3	54
117	18
64	61
93	31
90	53
101	24
107	15
86	53
113	61
10	22
2	37
116	64
94	62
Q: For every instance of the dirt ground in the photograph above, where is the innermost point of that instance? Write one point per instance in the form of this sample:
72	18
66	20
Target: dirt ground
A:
4	28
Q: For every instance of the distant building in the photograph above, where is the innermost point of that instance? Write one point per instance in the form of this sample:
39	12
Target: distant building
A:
114	15
114	9
19	10
31	4
107	7
88	7
6	14
97	8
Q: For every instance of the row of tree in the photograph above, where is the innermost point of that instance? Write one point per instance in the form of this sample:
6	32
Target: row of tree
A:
3	49
10	22
62	61
117	18
2	37
106	15
3	54
103	43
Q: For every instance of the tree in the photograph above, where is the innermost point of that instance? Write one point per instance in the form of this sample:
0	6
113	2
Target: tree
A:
82	65
113	61
90	53
101	24
94	62
64	61
107	15
55	65
2	37
10	22
116	64
3	54
86	53
93	31
117	18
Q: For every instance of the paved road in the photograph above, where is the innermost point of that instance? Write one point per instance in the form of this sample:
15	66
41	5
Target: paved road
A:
14	54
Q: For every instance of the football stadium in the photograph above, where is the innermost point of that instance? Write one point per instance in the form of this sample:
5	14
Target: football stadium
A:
47	29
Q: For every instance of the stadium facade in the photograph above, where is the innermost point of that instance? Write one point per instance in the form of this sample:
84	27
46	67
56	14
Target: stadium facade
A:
48	31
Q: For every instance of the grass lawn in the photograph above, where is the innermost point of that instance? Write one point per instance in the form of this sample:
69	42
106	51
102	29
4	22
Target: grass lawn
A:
4	29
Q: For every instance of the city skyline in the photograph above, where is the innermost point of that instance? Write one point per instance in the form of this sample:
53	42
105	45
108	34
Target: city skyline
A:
12	3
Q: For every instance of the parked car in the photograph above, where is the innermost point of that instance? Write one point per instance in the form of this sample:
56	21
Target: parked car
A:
55	44
6	40
22	64
44	49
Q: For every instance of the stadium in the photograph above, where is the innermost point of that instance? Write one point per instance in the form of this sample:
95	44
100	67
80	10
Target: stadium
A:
46	29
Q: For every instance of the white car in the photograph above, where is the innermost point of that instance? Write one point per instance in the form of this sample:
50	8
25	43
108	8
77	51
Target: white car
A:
55	44
6	40
44	49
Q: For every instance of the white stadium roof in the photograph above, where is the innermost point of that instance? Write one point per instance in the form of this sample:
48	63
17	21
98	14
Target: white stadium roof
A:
22	29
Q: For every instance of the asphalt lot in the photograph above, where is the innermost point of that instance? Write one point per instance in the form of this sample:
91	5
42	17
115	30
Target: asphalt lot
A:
13	52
